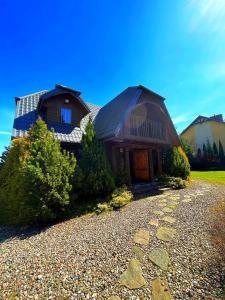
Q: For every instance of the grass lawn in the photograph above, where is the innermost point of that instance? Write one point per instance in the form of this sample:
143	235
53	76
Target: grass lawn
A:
211	176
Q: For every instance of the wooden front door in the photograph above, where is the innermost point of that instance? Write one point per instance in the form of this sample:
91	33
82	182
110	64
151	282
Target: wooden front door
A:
141	165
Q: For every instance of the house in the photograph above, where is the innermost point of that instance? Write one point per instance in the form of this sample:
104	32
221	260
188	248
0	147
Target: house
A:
135	126
203	130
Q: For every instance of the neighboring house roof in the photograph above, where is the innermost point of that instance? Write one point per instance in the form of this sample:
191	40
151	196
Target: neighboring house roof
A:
26	115
202	119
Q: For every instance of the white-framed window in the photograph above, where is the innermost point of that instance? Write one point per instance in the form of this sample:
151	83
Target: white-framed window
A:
66	115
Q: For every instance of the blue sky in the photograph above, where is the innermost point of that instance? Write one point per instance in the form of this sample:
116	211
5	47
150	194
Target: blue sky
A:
176	48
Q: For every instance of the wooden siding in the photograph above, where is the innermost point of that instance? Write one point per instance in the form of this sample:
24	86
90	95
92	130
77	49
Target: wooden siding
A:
147	128
53	105
147	122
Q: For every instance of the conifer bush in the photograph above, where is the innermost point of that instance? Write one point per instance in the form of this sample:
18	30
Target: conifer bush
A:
93	178
36	178
121	197
173	182
177	164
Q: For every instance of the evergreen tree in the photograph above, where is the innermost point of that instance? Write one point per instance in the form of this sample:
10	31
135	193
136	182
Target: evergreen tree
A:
209	150
3	157
37	177
199	154
221	153
188	149
215	151
205	156
177	164
94	178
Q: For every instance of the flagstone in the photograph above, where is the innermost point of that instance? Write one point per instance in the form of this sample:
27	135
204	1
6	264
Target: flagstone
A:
114	298
142	237
138	252
132	278
186	200
160	290
166	233
162	200
167	210
173	203
172	206
160	257
168	219
154	222
162	204
158	212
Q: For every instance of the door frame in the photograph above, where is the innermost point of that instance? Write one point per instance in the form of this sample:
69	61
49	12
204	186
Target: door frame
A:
134	178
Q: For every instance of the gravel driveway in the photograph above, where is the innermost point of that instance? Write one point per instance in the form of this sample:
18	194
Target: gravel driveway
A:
83	258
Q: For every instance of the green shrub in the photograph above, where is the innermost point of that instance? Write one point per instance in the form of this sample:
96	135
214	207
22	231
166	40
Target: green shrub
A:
177	164
121	178
36	178
121	197
102	207
94	178
173	182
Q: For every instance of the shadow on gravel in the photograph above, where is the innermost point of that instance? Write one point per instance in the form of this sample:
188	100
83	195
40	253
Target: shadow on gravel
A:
8	233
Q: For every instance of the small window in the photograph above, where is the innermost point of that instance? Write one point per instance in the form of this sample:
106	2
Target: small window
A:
65	115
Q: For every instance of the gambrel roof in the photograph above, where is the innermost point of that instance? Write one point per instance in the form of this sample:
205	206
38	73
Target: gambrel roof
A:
108	120
27	114
111	117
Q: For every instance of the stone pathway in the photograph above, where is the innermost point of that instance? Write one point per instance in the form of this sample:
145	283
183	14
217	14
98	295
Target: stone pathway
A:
136	253
133	278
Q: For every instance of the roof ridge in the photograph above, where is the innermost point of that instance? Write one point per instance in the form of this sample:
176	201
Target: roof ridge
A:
20	97
142	87
87	102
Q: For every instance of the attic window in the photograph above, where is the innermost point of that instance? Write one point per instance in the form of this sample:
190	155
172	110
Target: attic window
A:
66	115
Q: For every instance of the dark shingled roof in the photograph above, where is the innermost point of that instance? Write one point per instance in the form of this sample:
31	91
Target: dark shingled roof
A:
108	120
110	116
26	115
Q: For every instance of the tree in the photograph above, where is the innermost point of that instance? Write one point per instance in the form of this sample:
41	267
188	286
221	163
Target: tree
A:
177	164
205	156
37	177
215	151
11	183
209	150
199	154
188	149
221	153
94	178
4	156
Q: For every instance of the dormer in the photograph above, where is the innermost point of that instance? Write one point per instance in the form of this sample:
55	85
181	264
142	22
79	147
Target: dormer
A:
62	105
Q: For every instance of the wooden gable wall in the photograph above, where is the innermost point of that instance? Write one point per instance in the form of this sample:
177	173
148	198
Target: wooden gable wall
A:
52	106
147	121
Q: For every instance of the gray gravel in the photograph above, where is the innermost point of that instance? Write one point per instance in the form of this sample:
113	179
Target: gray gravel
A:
83	258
